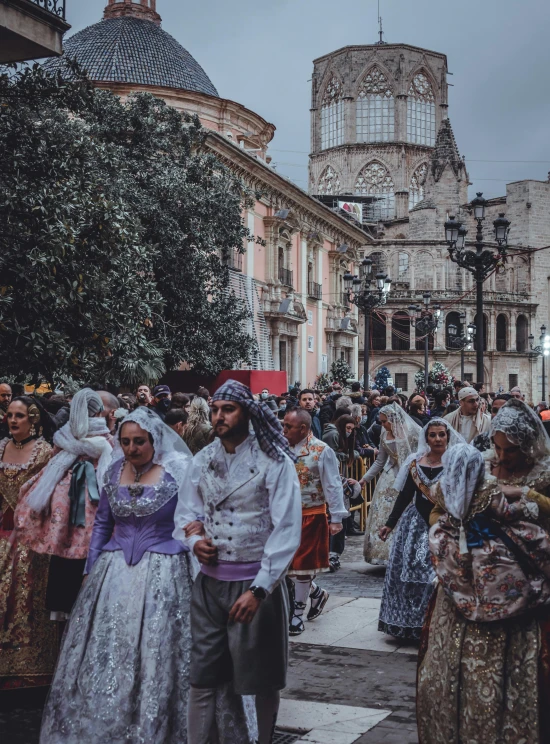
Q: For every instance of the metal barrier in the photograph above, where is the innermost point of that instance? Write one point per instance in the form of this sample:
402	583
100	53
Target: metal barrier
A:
356	471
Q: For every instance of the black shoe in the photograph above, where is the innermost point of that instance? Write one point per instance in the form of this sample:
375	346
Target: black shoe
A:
353	531
333	563
296	626
317	604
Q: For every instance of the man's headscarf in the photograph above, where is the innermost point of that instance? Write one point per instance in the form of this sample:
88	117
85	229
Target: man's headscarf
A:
267	426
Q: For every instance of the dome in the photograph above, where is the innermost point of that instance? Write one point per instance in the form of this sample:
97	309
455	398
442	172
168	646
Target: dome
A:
134	50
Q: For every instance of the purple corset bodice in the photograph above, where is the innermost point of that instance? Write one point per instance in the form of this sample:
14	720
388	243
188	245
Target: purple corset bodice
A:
135	519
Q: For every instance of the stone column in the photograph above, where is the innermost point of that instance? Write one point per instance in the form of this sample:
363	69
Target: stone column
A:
294	361
513	338
389	314
275	347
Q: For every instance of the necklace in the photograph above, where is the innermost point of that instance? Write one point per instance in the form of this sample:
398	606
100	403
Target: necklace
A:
22	443
136	488
432	464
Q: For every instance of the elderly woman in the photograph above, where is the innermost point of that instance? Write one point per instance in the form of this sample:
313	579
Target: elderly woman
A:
483	673
198	432
399	439
27	638
57	509
409	580
123	672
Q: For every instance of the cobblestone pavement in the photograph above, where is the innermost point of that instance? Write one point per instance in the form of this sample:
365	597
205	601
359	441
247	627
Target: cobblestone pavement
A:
364	678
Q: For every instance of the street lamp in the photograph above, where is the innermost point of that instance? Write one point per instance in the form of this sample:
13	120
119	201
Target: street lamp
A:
462	342
480	263
426	323
366	293
542	350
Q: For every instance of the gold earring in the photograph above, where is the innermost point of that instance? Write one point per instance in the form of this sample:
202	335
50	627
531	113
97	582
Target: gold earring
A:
33	431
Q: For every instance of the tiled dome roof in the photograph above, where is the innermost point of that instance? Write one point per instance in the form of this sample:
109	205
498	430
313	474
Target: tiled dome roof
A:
132	50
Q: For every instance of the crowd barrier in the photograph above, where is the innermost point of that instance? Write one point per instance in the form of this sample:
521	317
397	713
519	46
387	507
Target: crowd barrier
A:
356	471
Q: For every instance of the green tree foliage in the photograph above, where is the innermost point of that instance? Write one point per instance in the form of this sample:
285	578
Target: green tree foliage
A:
114	221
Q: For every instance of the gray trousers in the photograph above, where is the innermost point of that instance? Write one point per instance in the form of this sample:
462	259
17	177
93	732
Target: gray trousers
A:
254	656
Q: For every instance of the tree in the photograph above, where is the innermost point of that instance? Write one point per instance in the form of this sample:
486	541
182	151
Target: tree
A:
381	379
341	371
114	222
438	375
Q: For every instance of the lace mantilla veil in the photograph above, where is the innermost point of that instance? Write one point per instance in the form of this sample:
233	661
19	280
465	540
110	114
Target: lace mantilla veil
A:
522	427
171	452
423	448
405	431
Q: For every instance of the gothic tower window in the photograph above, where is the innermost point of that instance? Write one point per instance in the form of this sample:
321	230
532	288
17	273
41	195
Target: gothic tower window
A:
375	180
403	267
421	111
329	183
502	332
416	186
375	109
522	333
332	115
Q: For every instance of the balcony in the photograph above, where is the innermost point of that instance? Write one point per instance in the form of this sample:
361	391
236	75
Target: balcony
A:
285	277
315	290
233	260
31	29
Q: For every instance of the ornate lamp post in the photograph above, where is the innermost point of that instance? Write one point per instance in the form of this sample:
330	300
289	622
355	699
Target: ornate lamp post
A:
542	350
367	293
426	323
462	342
480	262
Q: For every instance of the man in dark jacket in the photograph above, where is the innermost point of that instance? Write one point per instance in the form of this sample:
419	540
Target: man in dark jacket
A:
307	401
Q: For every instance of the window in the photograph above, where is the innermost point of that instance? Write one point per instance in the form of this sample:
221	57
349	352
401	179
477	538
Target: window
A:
416	186
375	109
468	377
310	343
512	381
329	183
310	317
521	334
421	111
332	115
401	381
375	180
502	332
453	319
378	342
403	267
400	332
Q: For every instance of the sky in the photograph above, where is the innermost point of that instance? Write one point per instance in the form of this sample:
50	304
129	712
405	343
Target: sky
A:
260	54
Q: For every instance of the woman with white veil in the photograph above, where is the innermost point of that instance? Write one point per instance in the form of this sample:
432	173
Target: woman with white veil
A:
399	439
483	671
123	670
409	580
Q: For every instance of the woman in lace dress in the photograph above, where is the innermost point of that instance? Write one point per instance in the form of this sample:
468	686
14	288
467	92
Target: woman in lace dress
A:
484	672
398	441
409	580
123	671
28	641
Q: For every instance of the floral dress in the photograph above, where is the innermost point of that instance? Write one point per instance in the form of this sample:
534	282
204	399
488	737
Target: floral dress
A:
28	640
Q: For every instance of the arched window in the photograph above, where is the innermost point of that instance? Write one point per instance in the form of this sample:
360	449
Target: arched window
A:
453	319
423	271
403	267
378	332
375	109
502	332
421	111
332	115
329	183
485	334
375	180
522	333
400	332
416	186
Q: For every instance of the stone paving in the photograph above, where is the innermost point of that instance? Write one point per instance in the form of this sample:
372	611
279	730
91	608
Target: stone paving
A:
371	671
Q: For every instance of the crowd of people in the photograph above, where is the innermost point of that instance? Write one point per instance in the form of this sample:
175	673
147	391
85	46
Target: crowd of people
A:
157	549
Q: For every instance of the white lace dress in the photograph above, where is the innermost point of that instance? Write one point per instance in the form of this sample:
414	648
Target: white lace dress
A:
375	550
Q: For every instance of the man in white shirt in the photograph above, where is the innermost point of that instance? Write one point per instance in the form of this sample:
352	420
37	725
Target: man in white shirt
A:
320	485
243	492
468	419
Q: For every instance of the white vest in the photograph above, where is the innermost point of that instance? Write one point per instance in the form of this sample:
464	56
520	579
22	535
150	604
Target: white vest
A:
236	508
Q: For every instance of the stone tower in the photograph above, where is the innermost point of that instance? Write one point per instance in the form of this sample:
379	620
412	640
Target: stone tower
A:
375	114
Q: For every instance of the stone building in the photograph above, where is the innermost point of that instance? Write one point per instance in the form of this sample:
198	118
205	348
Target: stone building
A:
292	285
383	148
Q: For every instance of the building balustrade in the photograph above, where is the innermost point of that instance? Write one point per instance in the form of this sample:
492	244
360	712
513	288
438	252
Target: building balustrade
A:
446	294
56	7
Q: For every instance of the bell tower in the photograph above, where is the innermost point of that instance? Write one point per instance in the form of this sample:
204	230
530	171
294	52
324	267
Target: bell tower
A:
146	10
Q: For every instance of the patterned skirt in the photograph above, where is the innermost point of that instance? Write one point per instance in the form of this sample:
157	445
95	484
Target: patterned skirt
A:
408	584
123	671
375	550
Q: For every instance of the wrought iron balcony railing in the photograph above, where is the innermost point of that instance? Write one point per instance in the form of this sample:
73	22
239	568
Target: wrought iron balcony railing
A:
56	7
285	277
315	290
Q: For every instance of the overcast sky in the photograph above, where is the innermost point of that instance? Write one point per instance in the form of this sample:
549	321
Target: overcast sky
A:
260	53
